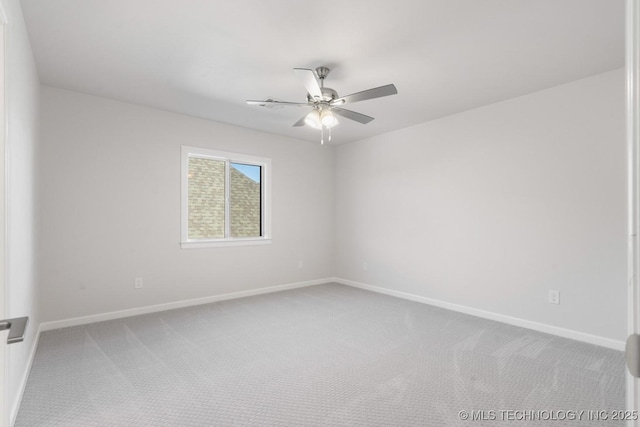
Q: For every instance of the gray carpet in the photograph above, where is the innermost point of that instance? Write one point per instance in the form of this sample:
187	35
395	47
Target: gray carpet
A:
321	355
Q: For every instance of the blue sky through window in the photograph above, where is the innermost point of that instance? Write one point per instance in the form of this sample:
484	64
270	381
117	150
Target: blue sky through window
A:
252	171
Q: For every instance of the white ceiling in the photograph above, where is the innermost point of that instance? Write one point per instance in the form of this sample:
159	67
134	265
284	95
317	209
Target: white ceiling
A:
204	58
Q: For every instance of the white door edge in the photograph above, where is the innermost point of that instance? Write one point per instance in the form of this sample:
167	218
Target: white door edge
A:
633	187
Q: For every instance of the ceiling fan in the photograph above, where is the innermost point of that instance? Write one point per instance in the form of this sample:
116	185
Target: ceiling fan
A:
325	101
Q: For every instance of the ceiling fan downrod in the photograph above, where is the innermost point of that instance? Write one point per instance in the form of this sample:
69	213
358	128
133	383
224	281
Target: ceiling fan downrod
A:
322	73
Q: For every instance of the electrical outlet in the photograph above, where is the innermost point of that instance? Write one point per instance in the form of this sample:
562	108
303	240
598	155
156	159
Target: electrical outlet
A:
300	265
554	297
138	283
365	266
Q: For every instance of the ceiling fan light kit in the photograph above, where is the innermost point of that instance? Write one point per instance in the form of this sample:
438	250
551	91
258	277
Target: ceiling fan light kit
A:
313	119
327	119
324	101
317	118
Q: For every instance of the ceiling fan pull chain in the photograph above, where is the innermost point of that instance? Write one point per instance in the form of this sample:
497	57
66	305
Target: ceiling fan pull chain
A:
329	134
321	135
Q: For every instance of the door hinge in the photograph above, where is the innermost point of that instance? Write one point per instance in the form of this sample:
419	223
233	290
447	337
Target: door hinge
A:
16	328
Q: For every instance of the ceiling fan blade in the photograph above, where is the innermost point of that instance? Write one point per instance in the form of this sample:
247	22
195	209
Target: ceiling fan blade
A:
360	118
308	79
268	102
367	94
300	122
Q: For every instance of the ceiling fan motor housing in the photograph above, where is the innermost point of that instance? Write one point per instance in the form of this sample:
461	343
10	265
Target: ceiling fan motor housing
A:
328	95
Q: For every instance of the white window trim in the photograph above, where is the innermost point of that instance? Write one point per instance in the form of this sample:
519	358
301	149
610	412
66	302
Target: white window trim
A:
265	184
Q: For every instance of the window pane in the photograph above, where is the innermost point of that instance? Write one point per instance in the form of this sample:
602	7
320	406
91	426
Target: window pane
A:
245	200
206	198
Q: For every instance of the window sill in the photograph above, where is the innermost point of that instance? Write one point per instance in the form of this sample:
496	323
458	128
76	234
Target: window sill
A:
223	243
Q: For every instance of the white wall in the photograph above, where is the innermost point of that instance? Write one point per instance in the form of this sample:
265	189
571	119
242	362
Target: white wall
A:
22	105
487	209
493	207
110	209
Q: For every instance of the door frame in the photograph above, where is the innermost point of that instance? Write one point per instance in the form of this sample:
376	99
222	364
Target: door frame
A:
632	49
5	407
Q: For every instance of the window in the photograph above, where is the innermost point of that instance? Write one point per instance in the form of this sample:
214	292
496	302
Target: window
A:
225	198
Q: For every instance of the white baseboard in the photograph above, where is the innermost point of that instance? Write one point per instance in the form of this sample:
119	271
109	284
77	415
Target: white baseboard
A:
23	383
47	326
540	327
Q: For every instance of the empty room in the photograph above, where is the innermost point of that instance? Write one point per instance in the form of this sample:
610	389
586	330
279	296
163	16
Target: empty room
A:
295	213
